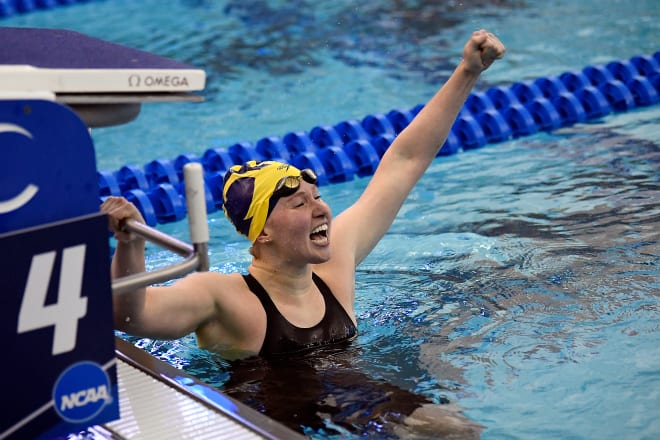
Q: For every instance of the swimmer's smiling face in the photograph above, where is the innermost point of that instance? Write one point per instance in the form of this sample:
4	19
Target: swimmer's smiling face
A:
300	226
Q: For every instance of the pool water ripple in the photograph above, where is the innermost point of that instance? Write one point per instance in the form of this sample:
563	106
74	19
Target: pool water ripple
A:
519	281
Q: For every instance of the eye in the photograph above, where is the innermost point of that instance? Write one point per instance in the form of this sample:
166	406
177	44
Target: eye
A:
298	202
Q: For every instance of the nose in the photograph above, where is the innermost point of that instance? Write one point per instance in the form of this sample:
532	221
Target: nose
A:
320	208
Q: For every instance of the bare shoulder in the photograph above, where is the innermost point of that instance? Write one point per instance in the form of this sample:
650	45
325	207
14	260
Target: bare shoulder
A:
224	289
215	279
238	324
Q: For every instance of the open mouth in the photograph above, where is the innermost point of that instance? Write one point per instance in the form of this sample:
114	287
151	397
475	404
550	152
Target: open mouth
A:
319	234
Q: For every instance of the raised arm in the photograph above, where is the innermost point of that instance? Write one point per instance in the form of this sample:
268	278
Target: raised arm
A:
361	226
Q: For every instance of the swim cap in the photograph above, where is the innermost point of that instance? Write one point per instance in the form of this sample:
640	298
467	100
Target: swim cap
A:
247	194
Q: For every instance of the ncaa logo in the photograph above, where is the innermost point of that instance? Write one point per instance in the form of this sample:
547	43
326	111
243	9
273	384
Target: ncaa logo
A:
81	392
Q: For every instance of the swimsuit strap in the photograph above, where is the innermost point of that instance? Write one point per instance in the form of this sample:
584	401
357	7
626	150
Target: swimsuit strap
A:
261	293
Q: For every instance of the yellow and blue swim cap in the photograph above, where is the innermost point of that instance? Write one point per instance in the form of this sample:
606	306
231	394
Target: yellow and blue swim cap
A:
251	191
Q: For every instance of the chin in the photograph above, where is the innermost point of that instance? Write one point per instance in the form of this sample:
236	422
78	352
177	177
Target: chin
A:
319	259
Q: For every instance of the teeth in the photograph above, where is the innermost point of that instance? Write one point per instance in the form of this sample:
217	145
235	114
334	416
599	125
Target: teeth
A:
320	228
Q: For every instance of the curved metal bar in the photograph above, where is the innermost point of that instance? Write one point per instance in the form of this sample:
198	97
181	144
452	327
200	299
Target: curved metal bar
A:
196	259
161	239
131	282
202	252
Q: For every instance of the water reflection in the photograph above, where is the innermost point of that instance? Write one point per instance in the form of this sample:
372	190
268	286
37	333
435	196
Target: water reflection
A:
325	391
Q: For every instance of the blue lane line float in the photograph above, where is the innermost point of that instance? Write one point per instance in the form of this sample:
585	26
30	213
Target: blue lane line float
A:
339	152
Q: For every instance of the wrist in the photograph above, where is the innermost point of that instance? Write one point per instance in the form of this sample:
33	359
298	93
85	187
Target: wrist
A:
469	69
134	243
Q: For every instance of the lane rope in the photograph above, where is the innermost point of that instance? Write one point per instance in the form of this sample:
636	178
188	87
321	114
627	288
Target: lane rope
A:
340	152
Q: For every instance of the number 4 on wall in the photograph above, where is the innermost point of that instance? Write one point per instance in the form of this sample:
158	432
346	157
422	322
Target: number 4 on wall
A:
70	306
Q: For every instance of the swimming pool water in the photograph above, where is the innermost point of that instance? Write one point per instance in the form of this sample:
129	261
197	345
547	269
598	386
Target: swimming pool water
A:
520	280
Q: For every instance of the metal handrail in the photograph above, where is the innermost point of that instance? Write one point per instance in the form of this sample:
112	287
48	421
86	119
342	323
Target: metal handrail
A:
196	255
196	258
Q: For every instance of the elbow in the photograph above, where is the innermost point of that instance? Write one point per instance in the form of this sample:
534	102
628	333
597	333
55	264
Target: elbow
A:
127	310
122	322
126	320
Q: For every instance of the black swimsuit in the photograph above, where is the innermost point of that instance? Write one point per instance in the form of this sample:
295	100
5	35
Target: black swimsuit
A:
283	337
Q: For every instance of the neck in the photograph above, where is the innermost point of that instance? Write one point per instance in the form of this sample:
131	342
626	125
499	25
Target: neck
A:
277	279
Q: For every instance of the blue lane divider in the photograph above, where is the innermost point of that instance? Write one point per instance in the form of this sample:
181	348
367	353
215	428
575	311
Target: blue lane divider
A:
339	152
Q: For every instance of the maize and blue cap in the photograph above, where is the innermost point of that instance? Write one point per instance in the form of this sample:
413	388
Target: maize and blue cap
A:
248	193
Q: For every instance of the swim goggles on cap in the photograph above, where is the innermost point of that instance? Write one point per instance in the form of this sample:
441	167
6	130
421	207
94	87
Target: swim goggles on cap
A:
288	185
